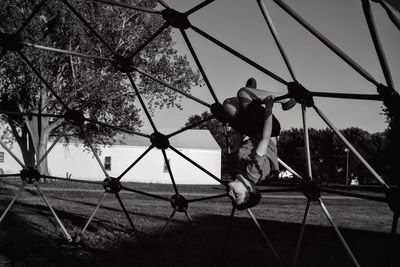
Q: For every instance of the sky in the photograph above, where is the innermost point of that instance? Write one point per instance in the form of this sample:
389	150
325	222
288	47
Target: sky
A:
240	25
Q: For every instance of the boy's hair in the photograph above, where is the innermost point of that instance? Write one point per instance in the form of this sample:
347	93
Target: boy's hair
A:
252	197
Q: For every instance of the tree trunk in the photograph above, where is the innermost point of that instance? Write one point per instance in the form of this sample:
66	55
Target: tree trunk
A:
24	142
40	151
27	148
40	129
35	132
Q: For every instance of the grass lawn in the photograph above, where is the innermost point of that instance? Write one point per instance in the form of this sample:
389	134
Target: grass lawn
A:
30	236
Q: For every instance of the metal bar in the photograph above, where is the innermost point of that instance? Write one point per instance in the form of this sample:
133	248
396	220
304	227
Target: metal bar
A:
48	86
274	33
208	198
33	14
121	4
276	182
326	42
199	66
13	200
145	193
173	88
51	147
166	224
142	102
83	20
95	93
374	188
290	169
265	237
391	14
377	43
339	235
31	114
373	198
301	234
197	165
281	97
9	175
190	126
53	212
135	162
127	216
154	35
393	234
170	171
94	153
347	143
12	154
161	2
67	52
117	128
237	54
228	232
72	180
92	215
199	6
277	190
347	96
306	141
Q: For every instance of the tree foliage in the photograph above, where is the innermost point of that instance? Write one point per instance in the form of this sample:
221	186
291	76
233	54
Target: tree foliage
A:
77	81
329	157
327	151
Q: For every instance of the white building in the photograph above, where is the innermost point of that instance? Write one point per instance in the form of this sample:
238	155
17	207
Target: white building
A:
74	161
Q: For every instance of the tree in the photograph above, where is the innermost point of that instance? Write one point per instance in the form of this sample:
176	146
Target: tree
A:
391	109
328	156
77	81
383	156
327	151
291	149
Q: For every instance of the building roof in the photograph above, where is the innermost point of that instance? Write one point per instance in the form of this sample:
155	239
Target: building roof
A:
189	139
193	139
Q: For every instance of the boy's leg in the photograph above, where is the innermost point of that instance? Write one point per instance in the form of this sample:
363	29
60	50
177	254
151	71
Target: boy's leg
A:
247	94
251	91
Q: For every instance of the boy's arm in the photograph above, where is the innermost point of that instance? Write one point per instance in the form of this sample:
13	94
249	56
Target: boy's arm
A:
267	128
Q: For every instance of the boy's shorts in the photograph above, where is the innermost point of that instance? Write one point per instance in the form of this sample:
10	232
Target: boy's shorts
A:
252	120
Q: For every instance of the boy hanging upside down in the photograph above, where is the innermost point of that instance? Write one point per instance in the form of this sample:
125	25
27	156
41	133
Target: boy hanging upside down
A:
251	115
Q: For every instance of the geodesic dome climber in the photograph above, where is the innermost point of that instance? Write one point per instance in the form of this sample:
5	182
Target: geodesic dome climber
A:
74	117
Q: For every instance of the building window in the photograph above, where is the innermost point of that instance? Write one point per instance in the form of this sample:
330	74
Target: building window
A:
107	163
1	156
165	166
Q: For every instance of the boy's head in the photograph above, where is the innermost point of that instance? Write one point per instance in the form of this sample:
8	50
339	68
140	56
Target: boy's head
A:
243	193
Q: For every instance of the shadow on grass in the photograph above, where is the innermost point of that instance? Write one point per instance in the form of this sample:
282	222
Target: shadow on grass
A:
29	236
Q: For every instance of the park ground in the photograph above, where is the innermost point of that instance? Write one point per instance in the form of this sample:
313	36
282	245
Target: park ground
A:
29	235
